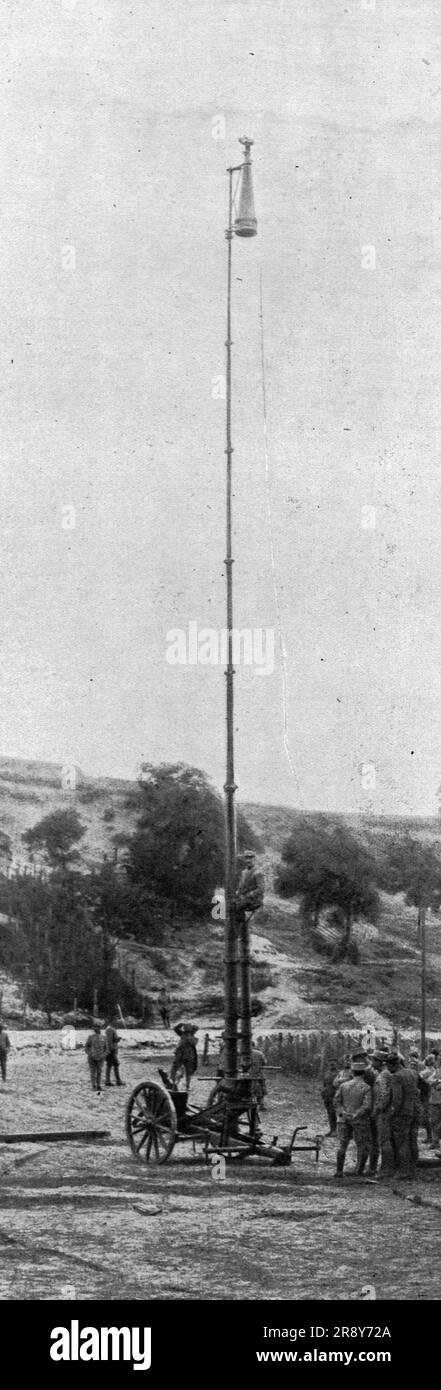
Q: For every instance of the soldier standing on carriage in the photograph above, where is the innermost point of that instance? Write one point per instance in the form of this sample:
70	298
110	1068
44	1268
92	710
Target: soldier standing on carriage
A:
185	1060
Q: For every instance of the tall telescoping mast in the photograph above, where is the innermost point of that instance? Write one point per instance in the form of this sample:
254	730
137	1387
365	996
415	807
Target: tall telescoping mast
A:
236	943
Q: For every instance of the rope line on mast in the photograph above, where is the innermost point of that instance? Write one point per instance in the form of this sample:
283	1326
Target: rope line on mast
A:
282	646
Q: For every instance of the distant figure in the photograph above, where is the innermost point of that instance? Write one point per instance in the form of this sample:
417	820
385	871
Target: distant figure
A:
185	1060
424	1085
164	1006
435	1099
220	1069
258	1076
112	1062
96	1051
330	1073
4	1049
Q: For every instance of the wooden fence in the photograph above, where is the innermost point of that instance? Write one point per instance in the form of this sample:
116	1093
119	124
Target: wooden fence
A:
308	1053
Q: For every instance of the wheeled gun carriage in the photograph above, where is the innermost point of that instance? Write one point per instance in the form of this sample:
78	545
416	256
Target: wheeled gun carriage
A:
158	1117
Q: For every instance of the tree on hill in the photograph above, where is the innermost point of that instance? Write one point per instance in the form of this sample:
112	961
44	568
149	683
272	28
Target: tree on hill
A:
57	947
326	868
414	868
178	849
5	849
56	835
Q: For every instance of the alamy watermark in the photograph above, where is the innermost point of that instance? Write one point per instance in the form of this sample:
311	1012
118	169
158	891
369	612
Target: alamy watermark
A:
208	646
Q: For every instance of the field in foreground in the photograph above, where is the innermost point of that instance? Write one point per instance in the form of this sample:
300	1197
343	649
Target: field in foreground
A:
87	1222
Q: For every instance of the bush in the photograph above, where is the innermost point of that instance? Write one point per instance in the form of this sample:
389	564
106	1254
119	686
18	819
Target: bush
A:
322	944
350	953
213	1003
213	973
148	1011
261	978
159	960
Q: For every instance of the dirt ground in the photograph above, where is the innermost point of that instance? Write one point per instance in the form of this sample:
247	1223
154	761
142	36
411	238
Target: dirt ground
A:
87	1221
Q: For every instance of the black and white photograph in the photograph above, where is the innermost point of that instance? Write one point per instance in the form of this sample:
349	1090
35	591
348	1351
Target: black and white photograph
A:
220	734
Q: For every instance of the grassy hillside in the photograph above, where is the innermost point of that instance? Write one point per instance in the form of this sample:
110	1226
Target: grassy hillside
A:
292	985
31	790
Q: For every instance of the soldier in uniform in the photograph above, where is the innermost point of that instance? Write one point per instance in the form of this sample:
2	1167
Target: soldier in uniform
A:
329	1078
258	1076
353	1103
411	1115
404	1115
112	1060
185	1060
435	1100
372	1074
387	1100
250	888
96	1050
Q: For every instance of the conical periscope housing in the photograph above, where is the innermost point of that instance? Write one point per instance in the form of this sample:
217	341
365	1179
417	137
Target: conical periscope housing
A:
245	223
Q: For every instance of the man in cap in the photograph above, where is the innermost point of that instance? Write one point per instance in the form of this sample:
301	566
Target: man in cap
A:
385	1086
112	1061
353	1103
410	1115
96	1050
374	1069
403	1115
250	888
185	1060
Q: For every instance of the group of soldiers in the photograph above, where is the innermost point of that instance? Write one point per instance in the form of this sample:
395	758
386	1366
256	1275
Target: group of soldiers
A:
380	1102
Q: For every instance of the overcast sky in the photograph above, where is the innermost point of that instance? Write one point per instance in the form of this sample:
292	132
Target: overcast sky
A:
112	266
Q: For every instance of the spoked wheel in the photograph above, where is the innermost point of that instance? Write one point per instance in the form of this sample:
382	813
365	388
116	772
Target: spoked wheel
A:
151	1123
